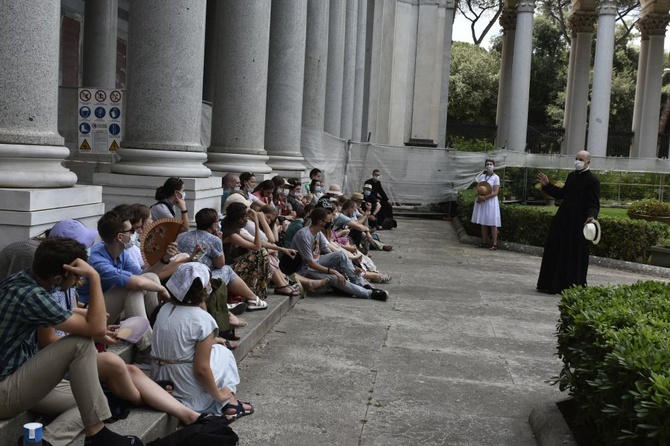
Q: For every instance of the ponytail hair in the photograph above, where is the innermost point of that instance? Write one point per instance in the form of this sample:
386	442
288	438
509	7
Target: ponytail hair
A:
171	185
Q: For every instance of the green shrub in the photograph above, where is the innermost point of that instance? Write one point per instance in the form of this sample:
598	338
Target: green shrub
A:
621	239
614	344
649	206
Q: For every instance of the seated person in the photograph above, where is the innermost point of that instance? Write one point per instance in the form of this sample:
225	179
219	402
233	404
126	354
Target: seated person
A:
264	191
297	224
293	197
126	287
385	214
247	258
34	381
320	262
187	352
207	237
169	195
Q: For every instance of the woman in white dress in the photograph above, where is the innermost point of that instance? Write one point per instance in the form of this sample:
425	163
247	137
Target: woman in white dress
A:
487	208
187	351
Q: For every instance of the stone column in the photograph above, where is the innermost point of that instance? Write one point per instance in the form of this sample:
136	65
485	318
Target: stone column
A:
639	93
316	62
335	72
164	90
238	111
31	150
349	72
523	47
654	26
209	76
602	80
576	107
568	92
450	9
36	191
163	107
100	24
508	25
359	76
286	73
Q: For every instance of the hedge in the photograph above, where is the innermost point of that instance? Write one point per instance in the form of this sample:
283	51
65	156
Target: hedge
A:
614	342
621	239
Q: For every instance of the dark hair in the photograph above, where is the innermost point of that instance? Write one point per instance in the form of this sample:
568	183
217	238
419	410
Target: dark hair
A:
312	185
171	185
195	295
319	214
349	204
246	176
110	224
206	217
278	180
265	185
234	213
53	253
314	172
376	171
309	207
123	210
140	213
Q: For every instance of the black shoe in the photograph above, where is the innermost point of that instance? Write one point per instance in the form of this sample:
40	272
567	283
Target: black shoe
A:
379	295
367	286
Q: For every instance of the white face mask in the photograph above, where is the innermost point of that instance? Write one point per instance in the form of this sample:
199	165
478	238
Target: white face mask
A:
489	168
183	195
579	165
134	239
236	188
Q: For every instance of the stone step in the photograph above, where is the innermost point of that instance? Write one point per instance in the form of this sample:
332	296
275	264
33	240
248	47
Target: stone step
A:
147	423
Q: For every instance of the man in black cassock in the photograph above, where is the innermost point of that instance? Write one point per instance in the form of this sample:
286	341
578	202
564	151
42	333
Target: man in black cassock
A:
378	193
566	252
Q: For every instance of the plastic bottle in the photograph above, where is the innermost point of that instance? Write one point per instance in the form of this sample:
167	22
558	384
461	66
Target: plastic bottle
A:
32	434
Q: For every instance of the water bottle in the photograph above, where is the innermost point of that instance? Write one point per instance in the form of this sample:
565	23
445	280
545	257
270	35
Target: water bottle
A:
32	434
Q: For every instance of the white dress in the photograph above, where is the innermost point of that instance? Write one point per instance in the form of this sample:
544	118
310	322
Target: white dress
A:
488	212
177	330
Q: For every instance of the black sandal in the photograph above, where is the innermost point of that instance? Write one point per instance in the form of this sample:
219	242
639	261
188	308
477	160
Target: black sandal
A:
493	248
482	245
292	291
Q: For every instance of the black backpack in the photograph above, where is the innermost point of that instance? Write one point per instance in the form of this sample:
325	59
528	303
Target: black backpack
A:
213	431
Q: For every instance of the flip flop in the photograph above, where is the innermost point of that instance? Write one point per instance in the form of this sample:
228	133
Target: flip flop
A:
239	409
257	305
291	291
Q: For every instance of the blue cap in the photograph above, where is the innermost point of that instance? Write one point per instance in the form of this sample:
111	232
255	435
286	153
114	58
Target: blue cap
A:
32	433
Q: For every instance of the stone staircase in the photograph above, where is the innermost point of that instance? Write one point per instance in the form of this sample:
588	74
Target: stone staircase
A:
149	424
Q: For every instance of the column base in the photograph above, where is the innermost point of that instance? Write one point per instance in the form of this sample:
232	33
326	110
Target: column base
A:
85	165
288	163
161	163
128	189
238	162
29	212
28	166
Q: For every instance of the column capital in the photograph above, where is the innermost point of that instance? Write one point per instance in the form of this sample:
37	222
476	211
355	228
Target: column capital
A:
525	6
582	22
508	19
607	7
653	25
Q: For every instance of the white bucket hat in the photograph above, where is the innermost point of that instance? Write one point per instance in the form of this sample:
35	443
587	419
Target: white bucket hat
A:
592	231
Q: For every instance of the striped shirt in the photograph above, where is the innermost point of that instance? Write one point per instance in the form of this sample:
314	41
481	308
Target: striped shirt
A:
24	306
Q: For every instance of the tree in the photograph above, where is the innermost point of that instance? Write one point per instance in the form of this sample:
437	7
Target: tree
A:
473	85
483	12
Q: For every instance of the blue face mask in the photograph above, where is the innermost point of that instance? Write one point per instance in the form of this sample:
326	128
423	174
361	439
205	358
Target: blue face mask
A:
319	189
367	193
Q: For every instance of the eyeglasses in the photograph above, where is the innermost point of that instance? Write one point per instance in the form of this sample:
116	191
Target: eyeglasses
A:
127	231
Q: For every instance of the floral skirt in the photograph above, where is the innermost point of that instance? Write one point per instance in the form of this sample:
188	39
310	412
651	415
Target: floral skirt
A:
254	268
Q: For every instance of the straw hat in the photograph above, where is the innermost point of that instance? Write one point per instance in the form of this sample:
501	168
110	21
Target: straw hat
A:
592	231
235	198
483	188
334	189
357	196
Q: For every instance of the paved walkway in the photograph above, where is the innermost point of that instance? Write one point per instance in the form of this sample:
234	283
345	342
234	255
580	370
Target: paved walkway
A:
458	356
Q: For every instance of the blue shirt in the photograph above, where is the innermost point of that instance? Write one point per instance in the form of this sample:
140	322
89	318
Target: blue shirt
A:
24	306
209	242
111	274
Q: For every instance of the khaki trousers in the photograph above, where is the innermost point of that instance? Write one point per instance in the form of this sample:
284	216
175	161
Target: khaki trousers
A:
38	385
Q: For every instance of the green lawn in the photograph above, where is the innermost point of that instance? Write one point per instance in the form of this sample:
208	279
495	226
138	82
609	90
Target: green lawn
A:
614	212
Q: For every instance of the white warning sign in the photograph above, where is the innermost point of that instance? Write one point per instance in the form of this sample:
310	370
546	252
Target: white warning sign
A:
100	113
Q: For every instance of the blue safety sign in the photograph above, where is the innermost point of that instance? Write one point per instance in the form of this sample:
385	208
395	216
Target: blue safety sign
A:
114	129
100	112
84	112
84	128
114	112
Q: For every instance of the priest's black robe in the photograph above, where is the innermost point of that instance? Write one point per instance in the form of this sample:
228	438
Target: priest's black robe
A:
566	252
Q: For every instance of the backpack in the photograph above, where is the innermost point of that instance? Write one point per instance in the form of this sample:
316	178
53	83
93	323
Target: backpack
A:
213	431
